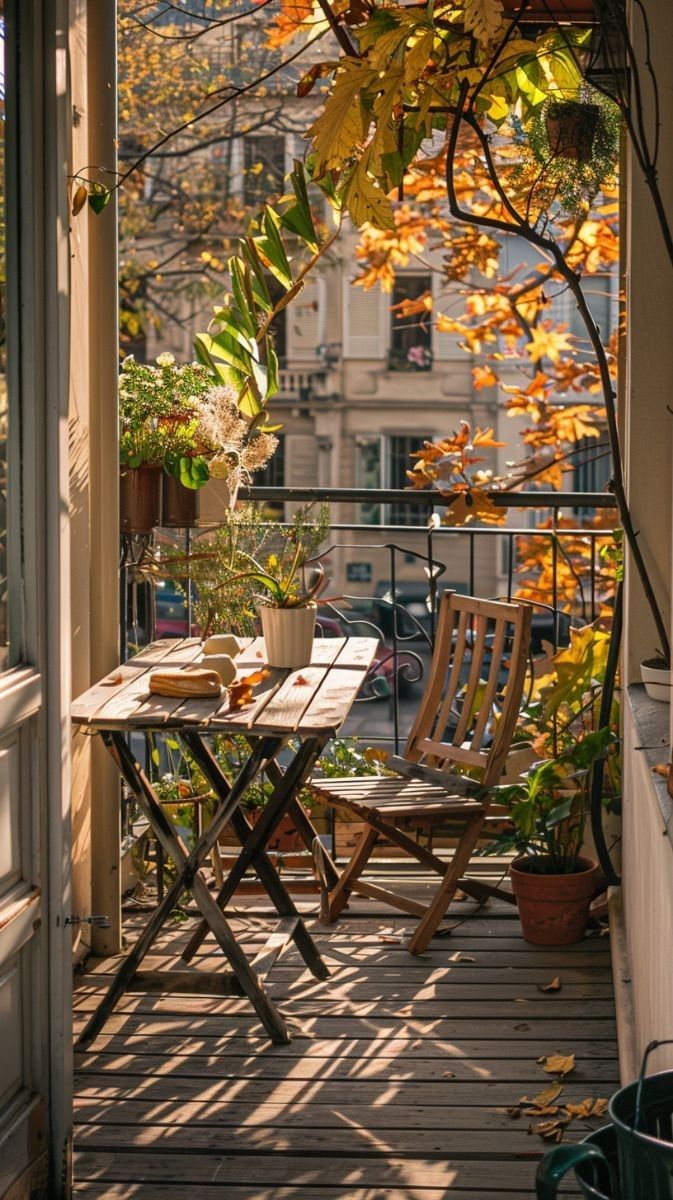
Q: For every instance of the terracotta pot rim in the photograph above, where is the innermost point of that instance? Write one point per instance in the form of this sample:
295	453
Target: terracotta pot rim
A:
591	865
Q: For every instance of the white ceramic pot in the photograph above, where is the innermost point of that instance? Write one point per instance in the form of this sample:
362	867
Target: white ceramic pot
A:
657	680
288	635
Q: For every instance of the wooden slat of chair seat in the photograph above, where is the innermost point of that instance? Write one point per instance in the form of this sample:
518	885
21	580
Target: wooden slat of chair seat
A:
487	641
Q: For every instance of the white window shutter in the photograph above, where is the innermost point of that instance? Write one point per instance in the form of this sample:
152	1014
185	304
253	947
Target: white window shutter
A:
366	322
304	323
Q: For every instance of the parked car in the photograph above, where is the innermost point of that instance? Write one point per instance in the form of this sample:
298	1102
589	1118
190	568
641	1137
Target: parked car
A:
380	680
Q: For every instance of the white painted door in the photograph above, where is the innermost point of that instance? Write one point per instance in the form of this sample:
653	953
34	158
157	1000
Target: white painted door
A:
33	1010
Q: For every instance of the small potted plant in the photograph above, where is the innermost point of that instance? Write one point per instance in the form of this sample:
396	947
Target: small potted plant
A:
287	602
547	811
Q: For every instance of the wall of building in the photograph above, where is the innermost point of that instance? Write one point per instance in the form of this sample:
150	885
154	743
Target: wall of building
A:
648	443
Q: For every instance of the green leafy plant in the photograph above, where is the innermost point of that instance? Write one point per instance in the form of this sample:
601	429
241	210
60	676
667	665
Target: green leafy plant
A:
282	574
576	144
548	809
238	347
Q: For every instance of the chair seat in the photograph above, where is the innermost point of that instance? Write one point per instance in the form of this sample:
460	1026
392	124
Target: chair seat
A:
394	798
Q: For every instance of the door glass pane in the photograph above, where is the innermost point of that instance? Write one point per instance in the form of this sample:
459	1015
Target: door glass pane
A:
4	634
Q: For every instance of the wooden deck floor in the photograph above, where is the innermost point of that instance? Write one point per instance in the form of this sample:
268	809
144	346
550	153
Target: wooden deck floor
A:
395	1087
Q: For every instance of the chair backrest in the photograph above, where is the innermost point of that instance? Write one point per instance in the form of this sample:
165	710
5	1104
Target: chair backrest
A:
470	708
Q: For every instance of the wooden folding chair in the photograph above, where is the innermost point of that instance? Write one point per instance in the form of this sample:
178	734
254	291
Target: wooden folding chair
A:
465	724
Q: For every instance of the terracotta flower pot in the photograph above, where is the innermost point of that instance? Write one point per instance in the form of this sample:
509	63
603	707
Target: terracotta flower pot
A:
571	129
288	635
139	499
179	505
554	909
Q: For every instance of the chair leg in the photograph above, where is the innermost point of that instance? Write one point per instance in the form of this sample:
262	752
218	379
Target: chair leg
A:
338	897
442	898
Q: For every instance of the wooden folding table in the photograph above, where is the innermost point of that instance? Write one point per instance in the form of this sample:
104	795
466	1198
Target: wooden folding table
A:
295	712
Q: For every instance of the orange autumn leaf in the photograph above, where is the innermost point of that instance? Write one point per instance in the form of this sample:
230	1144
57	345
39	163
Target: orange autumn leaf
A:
240	692
483	377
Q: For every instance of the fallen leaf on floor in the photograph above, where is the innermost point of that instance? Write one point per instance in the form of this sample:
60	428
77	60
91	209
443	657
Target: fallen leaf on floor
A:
112	680
301	681
583	1109
549	1111
513	1112
546	1097
522	1025
557	1064
520	1000
459	896
448	1074
462	957
553	986
600	1107
392	941
660	769
551	1130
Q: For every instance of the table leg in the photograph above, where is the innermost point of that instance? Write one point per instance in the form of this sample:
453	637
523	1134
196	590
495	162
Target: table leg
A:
254	839
305	828
189	878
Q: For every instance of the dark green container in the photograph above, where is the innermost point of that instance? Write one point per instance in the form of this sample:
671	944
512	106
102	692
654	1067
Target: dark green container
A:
631	1159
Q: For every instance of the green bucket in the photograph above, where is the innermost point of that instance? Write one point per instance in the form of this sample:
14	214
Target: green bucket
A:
632	1159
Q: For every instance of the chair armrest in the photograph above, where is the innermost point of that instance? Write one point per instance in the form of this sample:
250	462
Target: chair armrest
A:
458	785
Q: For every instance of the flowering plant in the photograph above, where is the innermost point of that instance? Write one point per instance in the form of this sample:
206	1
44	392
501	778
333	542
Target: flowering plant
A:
158	416
171	415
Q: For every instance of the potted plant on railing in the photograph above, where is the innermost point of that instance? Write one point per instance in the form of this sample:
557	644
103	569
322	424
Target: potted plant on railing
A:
547	812
158	408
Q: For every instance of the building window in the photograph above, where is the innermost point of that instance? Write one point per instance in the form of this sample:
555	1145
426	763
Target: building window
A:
272	476
263	168
383	462
410	336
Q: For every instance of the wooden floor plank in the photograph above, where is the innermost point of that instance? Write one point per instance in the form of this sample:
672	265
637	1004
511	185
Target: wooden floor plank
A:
168	1191
396	1084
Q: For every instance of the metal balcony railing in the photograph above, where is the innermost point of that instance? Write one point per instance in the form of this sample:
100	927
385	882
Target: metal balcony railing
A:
389	579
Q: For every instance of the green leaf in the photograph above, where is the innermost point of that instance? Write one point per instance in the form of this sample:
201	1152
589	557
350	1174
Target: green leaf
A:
100	198
297	217
260	286
271	249
227	349
241	284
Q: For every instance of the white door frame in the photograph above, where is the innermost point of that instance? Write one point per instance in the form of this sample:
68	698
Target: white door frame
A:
34	695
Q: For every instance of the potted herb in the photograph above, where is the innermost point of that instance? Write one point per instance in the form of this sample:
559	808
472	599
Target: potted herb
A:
547	811
287	600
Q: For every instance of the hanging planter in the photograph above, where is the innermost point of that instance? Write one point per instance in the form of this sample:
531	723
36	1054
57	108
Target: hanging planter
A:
571	129
179	504
139	498
576	145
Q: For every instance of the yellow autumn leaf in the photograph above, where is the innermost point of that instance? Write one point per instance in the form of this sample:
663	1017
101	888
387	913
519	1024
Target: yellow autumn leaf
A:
557	1064
583	1109
553	986
341	126
546	1097
483	19
548	342
366	203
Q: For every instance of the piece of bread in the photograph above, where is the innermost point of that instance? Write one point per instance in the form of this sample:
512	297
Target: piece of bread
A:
193	681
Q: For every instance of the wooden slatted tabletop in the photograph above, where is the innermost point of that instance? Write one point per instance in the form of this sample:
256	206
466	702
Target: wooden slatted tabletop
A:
316	698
